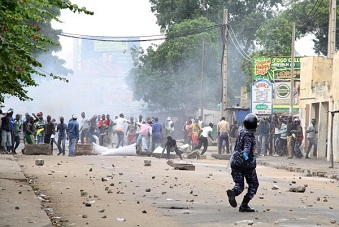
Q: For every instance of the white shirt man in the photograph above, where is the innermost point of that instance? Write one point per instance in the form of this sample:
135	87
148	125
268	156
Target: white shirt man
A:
170	127
121	125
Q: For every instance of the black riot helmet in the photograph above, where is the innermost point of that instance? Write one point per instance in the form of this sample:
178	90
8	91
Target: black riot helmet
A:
250	122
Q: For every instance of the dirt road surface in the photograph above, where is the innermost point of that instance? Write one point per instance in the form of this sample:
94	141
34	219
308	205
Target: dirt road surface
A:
121	191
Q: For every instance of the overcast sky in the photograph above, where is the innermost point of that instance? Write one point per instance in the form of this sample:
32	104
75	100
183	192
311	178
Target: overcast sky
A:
111	18
122	18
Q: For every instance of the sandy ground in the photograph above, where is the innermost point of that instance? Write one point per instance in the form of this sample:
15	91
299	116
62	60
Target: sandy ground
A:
124	192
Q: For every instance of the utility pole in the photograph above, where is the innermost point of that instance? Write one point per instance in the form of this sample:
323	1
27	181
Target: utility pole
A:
224	64
292	70
202	80
332	29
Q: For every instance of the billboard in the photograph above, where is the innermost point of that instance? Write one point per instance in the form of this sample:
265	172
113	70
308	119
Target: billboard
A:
102	68
262	97
275	68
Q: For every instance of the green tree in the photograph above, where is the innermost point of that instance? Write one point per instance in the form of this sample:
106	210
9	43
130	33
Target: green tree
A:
168	77
275	36
21	37
245	17
310	16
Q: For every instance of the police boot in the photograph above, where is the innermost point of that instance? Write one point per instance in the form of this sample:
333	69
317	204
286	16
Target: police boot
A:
231	198
244	205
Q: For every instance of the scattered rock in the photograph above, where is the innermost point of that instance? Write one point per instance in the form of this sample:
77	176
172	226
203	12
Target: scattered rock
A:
144	212
102	211
148	190
17	207
321	174
121	174
333	221
84	216
39	162
90	169
147	162
104	179
301	189
89	203
83	193
275	187
308	173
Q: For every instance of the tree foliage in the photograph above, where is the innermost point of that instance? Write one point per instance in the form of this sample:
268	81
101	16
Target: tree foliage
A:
256	28
275	36
21	37
245	17
169	76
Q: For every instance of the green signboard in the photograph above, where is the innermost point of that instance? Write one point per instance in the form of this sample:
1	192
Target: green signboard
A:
275	68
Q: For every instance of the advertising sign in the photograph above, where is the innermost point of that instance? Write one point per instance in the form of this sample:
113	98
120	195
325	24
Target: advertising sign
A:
262	97
282	93
275	68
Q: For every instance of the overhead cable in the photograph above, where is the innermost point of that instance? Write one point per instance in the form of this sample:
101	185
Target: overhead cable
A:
137	38
235	37
311	14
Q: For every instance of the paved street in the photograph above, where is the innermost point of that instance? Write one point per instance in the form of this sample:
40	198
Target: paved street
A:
127	193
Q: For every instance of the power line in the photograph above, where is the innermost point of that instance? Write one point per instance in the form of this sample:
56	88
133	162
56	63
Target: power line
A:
235	37
309	17
137	38
239	50
114	37
110	40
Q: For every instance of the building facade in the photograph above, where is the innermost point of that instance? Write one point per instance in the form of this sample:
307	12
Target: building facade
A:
319	95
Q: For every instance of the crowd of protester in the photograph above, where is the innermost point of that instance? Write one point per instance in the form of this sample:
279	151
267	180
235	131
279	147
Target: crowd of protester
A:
277	135
101	129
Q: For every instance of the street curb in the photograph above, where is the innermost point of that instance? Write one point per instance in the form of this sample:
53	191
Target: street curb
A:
306	172
17	192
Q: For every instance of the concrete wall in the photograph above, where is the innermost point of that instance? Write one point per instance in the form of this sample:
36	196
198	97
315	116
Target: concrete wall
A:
334	97
318	96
